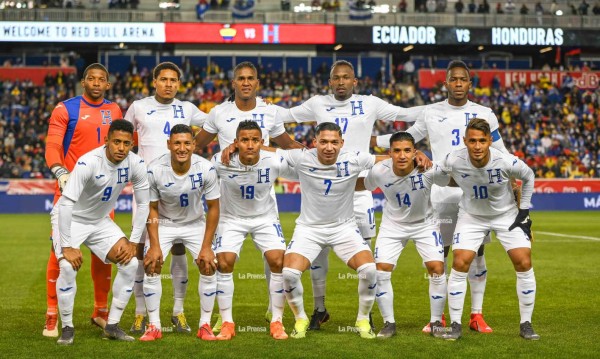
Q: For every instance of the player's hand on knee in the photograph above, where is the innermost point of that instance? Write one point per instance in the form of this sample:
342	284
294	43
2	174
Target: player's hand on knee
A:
62	176
226	154
126	252
422	161
153	260
73	256
207	261
522	221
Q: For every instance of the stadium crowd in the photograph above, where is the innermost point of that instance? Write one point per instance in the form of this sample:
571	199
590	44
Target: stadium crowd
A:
554	129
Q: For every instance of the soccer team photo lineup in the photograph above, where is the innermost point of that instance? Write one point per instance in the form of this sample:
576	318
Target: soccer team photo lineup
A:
176	166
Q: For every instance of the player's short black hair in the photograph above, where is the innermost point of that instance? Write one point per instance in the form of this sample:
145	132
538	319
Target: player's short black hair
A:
120	125
94	66
458	63
479	124
402	136
166	66
247	125
328	126
181	128
245	65
341	63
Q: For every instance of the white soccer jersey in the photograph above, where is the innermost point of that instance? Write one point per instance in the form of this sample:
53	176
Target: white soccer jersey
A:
356	116
180	197
327	190
487	190
446	125
225	118
407	198
247	189
153	122
95	183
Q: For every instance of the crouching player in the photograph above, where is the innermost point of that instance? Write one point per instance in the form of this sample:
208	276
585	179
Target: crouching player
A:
81	216
407	215
178	180
247	208
487	204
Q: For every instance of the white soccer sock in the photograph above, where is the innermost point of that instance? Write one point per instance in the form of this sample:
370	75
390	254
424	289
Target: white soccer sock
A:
526	287
121	289
457	286
477	281
385	296
225	296
437	296
318	276
179	277
294	291
277	298
268	278
66	286
207	290
138	290
367	284
152	295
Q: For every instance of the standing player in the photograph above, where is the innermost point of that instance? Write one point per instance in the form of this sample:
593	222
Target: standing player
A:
77	126
248	208
444	124
178	180
356	116
328	179
153	117
223	121
488	204
81	216
407	215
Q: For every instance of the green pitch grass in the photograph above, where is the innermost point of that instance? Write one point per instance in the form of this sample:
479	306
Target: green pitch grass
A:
566	311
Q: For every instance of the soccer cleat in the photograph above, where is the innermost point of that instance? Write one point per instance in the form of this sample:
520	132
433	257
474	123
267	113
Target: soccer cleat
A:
99	317
300	328
454	333
139	324
217	327
437	329
227	331
50	329
277	331
66	338
388	330
427	328
268	316
478	324
364	329
205	333
318	318
152	333
527	332
112	331
180	323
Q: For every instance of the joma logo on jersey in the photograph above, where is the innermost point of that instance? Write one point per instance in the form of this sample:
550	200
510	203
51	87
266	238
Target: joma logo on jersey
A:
264	175
106	117
469	117
418	181
257	120
357	105
123	175
342	167
497	175
177	111
196	180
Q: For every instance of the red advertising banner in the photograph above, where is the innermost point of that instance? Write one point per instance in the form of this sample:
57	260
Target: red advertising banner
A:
583	80
34	73
248	33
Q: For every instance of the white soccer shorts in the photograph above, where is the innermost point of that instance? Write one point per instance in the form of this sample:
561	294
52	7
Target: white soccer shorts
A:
191	235
364	213
345	240
265	232
471	229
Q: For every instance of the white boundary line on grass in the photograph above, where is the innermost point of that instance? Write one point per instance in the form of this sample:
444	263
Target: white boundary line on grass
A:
566	235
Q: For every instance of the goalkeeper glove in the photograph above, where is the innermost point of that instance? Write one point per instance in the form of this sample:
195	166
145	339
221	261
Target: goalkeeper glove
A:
62	175
522	221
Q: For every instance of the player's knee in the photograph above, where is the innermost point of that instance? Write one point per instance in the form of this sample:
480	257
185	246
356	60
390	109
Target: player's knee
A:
291	275
367	271
435	267
67	271
385	267
523	265
178	249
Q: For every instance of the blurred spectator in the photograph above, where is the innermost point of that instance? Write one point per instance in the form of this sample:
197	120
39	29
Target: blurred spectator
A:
524	10
459	7
484	8
499	8
596	9
430	5
201	8
402	6
510	7
472	7
583	8
539	9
